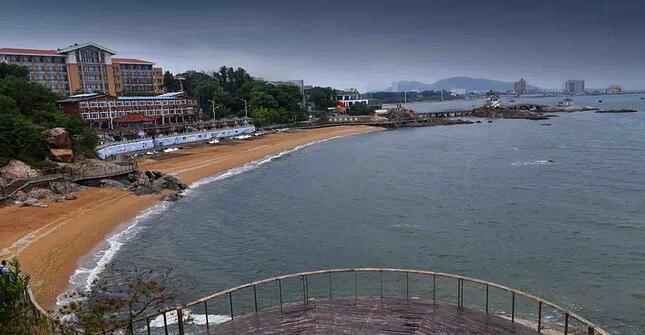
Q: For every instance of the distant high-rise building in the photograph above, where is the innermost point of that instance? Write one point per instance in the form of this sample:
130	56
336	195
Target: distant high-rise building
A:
614	89
574	86
395	86
519	87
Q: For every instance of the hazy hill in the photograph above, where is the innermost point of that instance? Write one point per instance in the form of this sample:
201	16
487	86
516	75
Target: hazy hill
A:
466	83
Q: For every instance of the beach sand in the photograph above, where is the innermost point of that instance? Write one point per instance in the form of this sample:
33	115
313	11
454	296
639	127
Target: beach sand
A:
50	241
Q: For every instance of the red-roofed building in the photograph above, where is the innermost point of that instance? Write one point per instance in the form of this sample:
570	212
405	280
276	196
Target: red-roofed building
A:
86	68
102	111
136	121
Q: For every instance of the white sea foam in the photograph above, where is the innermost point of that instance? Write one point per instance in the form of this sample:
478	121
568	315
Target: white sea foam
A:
86	274
253	165
84	277
535	162
194	319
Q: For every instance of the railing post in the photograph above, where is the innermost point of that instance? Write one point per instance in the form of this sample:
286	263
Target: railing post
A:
147	326
355	286
180	321
486	298
230	301
591	331
255	298
539	325
330	287
304	292
206	313
280	289
566	323
513	308
434	288
407	285
165	324
381	277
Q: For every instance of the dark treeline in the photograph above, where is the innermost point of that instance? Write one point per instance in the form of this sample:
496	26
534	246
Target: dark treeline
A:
227	90
26	109
400	97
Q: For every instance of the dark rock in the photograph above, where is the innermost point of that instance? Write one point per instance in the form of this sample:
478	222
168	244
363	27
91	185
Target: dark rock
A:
61	155
33	203
141	190
171	197
40	193
110	183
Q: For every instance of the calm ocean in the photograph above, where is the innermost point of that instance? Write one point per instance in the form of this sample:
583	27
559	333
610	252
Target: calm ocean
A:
481	200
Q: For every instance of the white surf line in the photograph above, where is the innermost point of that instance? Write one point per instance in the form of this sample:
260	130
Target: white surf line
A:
104	256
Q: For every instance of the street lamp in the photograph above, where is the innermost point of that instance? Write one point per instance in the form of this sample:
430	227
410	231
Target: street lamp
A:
213	102
246	110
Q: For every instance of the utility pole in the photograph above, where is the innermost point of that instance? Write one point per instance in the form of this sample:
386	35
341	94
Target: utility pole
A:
181	82
405	97
246	110
213	102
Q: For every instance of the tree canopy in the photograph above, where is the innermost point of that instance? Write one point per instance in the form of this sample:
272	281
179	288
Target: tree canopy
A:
229	87
26	109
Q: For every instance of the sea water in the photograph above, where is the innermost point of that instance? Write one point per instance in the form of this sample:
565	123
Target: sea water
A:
553	207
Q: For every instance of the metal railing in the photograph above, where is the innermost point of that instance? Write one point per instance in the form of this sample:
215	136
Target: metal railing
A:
17	185
181	312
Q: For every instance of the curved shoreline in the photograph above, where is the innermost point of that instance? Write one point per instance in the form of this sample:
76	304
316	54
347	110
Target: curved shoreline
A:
51	241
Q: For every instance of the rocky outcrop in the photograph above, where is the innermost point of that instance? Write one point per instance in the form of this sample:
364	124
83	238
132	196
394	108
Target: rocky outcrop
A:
171	197
32	203
150	182
16	170
61	155
111	183
58	138
507	113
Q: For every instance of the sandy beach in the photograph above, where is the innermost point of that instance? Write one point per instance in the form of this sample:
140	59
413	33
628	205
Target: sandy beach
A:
50	241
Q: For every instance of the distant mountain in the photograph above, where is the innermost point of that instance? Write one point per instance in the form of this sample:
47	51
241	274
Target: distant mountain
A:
464	83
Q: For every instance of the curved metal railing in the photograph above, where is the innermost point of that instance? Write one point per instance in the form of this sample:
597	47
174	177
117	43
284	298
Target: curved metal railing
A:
180	316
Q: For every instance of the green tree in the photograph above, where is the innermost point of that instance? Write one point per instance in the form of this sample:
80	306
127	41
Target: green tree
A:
26	109
16	316
322	98
6	70
170	84
360	109
114	305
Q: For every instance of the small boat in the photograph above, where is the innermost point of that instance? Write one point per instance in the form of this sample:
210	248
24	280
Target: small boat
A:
599	100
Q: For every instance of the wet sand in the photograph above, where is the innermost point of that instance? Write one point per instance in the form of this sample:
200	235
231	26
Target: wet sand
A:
50	241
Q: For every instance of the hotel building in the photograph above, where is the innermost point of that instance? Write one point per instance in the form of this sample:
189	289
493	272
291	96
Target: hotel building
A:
105	111
86	68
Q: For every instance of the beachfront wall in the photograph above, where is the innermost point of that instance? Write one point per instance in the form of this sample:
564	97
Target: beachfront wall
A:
149	144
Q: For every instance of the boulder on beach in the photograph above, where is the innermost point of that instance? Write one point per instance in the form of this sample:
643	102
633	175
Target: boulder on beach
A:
31	202
61	155
111	183
17	170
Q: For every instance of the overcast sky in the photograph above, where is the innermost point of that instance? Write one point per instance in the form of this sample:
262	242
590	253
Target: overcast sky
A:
349	43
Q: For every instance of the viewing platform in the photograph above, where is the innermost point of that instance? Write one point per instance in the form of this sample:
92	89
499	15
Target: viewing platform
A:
365	301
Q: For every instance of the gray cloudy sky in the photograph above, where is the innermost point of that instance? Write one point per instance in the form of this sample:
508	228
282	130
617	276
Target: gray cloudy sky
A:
350	43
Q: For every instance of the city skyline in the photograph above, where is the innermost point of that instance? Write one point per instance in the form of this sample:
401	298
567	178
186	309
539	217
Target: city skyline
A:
355	44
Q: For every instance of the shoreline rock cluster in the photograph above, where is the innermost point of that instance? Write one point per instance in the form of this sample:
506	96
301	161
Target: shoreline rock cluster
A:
148	182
